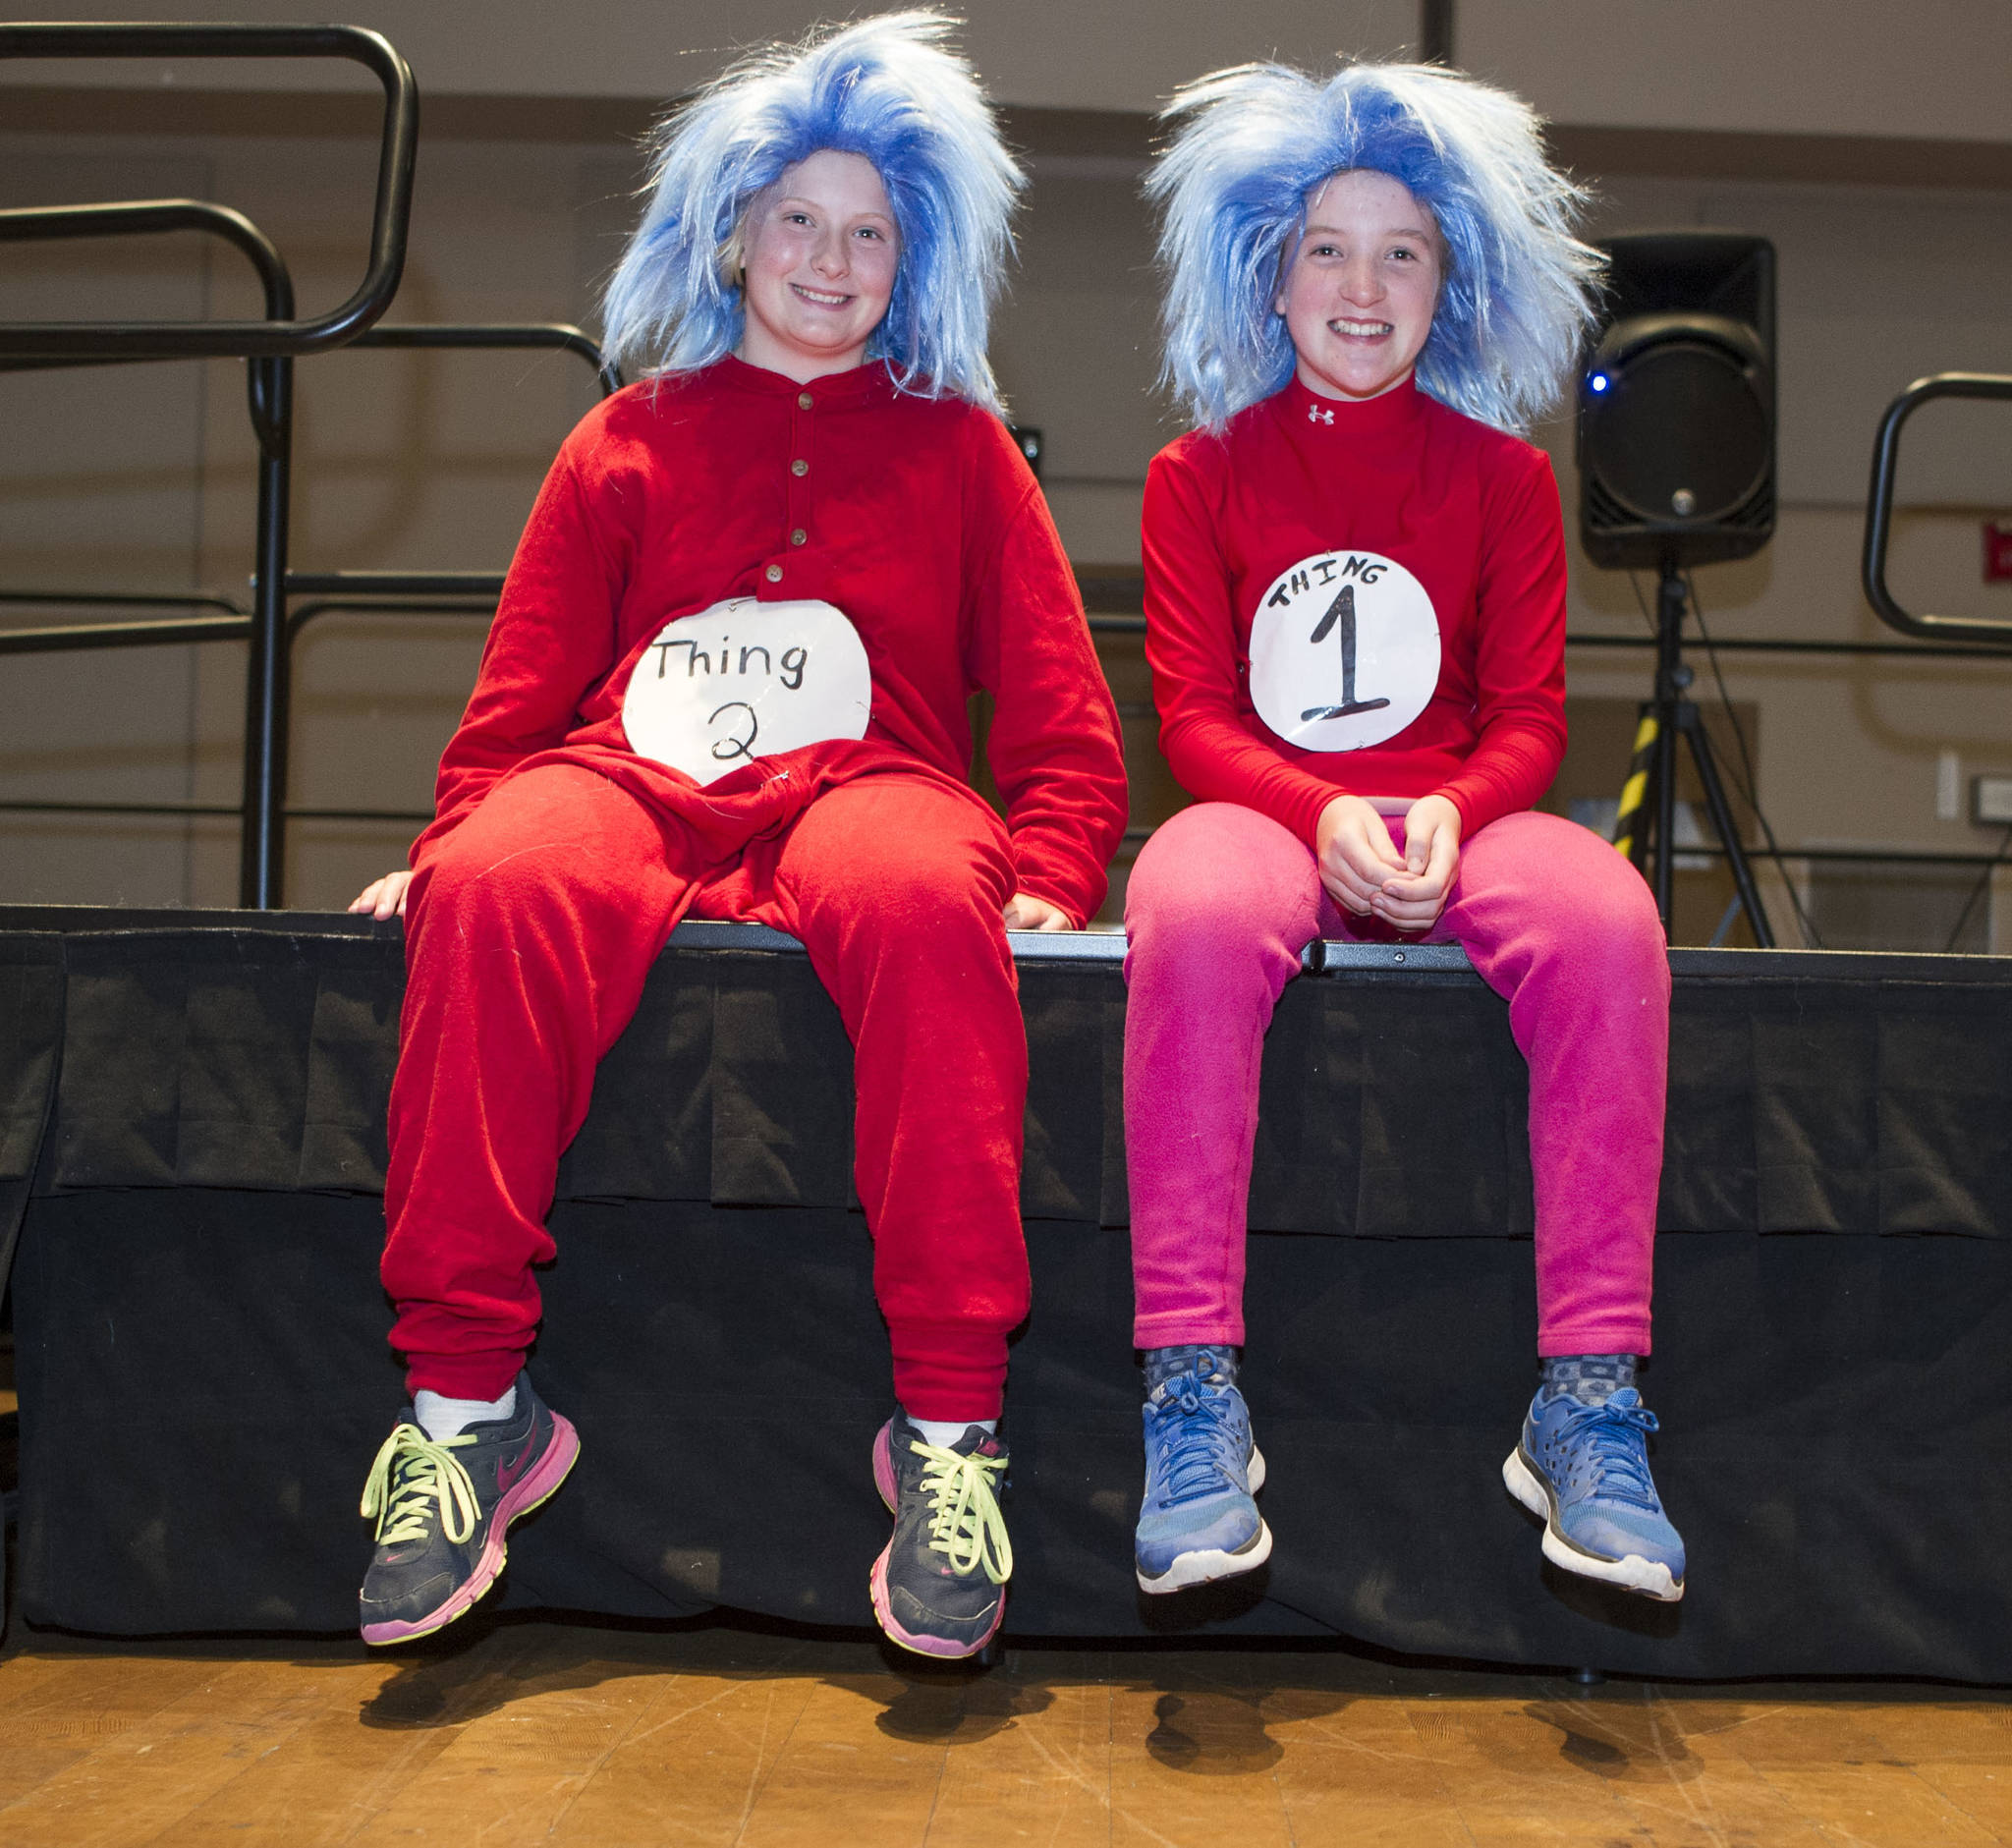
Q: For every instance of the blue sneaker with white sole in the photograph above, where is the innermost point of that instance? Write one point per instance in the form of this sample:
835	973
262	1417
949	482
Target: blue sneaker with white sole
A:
1198	1522
1584	1471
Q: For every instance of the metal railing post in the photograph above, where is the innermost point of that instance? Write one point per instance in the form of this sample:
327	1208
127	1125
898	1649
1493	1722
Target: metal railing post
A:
268	675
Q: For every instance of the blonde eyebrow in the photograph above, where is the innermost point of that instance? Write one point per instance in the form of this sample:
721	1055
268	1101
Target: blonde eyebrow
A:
1335	231
797	199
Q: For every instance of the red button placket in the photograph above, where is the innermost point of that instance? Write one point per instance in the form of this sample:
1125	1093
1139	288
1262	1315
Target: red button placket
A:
797	477
779	579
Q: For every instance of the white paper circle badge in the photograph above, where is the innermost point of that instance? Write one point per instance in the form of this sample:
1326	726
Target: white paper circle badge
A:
745	680
1344	652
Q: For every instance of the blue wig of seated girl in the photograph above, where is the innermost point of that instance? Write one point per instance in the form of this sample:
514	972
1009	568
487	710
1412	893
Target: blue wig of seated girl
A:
1251	143
885	88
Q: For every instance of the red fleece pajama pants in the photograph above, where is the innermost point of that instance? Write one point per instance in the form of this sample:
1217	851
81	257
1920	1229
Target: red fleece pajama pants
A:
529	932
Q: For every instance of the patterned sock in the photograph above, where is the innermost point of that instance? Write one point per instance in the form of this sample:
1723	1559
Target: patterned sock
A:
1590	1379
442	1418
1215	1362
944	1432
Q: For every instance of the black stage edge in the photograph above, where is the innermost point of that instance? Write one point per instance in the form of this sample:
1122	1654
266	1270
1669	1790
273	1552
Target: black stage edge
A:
191	1132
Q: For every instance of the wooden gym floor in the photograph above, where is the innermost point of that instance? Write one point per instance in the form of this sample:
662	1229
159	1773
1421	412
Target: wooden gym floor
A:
541	1732
512	1732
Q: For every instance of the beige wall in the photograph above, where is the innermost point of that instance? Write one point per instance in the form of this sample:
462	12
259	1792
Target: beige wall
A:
142	477
1078	54
1934	69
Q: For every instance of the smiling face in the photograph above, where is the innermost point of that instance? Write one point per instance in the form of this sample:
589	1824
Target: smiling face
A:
1359	297
819	252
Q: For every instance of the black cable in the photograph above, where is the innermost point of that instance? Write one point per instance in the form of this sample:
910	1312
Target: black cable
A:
1747	788
1983	885
1640	602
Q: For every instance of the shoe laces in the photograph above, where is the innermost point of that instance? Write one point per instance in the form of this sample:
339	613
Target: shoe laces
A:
1615	1449
1200	1447
964	1522
413	1475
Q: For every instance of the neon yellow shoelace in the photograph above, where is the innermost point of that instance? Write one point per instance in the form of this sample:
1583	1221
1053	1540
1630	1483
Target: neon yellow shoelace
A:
964	1522
412	1471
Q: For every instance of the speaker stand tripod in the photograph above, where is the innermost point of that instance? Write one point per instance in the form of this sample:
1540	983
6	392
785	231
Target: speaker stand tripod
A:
1671	715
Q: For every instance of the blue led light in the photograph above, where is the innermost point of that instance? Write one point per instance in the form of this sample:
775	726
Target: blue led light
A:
1597	382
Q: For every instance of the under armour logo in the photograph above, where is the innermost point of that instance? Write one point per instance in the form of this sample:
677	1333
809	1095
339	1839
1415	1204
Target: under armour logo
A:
1314	415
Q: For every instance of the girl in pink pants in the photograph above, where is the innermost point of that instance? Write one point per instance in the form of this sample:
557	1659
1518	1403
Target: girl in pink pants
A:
1354	574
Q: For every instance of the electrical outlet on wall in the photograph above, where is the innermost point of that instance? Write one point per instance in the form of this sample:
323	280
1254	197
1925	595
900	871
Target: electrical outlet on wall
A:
1948	786
1990	800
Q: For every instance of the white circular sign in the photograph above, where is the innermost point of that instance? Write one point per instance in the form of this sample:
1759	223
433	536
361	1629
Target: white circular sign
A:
745	680
1344	652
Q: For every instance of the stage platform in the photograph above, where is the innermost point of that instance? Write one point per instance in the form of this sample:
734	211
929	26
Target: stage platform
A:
192	1144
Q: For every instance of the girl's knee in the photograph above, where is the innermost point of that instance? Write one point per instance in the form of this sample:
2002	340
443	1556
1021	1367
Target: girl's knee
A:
1211	880
1620	909
1621	938
488	886
1587	896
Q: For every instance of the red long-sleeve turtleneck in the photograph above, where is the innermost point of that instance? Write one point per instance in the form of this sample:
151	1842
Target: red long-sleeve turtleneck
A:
1471	513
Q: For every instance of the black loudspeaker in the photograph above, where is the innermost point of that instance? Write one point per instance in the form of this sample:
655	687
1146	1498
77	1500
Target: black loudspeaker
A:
1676	406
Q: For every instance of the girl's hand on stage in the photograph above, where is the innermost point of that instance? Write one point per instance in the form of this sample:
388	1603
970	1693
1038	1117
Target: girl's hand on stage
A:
1024	912
383	898
1356	854
1431	855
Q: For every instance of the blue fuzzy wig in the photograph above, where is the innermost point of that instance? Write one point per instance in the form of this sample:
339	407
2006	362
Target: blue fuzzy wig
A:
885	88
1251	143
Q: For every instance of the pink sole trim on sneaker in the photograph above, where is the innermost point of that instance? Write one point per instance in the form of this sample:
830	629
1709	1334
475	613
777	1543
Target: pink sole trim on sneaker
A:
876	1580
884	1468
532	1489
938	1645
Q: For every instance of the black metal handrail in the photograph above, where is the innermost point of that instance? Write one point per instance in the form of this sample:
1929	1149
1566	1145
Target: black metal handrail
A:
43	224
301	614
1109	600
156	633
337	589
1880	509
269	392
551	336
137	217
397	584
234	624
559	336
283	337
474	593
1762	645
272	627
127	599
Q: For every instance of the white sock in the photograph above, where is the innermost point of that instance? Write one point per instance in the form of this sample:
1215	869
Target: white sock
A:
441	1418
944	1435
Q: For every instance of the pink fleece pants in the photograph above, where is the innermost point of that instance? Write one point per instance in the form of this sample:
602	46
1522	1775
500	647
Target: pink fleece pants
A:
1221	905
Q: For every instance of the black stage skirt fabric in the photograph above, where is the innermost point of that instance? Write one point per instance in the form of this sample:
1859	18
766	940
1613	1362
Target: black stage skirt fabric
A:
203	1379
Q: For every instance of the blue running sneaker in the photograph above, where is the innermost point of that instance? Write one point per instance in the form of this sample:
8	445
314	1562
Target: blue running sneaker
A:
1198	1522
1584	1471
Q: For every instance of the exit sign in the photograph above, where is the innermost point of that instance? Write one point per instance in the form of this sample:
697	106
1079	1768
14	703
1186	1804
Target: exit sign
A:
1998	551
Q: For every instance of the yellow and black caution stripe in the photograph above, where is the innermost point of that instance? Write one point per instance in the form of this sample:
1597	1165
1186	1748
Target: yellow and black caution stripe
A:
1637	785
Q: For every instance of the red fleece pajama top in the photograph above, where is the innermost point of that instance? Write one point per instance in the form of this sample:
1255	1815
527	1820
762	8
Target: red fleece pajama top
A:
917	518
1471	513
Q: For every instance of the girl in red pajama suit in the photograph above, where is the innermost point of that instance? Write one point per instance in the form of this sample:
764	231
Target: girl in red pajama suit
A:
728	678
